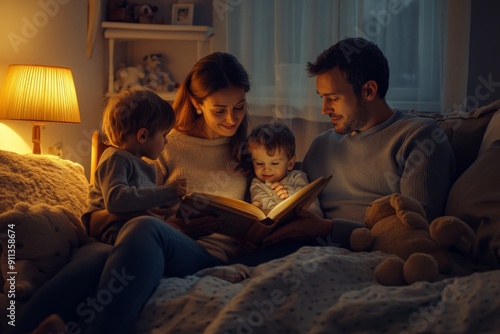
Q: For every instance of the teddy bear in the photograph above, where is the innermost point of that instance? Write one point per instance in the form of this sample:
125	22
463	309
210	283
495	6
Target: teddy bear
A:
145	13
396	224
155	78
37	241
128	77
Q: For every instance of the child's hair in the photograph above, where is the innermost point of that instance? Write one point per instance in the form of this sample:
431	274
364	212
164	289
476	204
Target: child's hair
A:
274	137
130	110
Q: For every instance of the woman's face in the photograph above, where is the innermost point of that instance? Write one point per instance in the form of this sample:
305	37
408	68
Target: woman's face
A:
223	112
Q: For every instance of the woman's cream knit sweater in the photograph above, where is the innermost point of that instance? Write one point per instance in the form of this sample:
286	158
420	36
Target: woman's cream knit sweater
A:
208	168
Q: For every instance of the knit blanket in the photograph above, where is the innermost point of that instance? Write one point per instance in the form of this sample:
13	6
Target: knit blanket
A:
45	179
322	290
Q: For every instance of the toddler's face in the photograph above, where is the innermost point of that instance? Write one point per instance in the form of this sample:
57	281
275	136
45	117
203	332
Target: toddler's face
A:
270	168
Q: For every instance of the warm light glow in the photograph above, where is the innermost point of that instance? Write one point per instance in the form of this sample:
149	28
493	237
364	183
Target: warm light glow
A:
12	141
39	93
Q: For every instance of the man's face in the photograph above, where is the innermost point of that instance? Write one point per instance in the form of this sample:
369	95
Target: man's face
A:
347	111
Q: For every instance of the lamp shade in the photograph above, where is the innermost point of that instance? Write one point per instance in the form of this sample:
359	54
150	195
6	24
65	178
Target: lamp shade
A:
39	93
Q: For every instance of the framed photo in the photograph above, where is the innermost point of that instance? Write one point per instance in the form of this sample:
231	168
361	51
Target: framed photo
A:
182	13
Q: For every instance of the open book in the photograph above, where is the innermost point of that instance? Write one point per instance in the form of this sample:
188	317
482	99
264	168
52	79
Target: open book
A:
245	221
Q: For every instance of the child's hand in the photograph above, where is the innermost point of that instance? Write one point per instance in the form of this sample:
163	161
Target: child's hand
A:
177	189
280	190
180	186
257	204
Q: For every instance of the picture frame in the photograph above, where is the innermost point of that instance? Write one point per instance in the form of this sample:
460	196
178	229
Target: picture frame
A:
182	14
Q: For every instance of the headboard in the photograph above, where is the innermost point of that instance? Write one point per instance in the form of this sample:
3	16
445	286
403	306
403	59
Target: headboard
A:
98	147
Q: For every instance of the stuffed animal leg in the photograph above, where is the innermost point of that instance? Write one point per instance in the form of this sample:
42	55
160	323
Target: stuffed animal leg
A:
396	225
451	231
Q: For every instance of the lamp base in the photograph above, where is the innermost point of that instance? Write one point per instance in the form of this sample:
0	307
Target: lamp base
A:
36	134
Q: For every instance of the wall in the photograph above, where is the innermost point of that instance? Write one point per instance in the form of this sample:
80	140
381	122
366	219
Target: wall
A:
53	32
178	56
484	56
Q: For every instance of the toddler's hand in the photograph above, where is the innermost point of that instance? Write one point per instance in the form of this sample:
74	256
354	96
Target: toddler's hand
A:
257	204
280	190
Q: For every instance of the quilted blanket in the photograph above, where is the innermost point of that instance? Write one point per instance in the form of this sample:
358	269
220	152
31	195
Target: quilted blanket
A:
323	290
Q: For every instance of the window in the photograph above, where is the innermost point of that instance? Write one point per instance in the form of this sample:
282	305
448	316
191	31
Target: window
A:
274	39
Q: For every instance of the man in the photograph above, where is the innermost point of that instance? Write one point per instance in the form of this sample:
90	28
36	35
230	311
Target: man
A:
372	150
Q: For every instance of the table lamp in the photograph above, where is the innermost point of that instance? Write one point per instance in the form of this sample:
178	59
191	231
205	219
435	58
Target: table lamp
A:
40	94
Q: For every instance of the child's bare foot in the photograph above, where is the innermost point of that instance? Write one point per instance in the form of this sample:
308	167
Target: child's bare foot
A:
53	324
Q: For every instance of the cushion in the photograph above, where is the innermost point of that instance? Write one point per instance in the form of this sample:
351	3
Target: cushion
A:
491	134
465	131
45	179
475	198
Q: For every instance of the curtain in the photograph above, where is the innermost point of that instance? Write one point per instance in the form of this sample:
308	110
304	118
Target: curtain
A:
274	39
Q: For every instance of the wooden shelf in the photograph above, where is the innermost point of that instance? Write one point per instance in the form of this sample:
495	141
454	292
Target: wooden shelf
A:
129	32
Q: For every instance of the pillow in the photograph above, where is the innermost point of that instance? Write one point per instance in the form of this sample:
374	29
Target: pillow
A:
45	179
475	198
492	133
46	236
465	132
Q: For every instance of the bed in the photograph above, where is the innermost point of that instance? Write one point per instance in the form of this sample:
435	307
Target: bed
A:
323	288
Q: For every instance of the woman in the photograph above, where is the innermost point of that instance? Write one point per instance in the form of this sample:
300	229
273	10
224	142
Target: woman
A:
211	124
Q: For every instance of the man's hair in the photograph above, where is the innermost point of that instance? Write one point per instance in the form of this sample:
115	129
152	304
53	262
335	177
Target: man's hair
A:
359	59
273	137
130	110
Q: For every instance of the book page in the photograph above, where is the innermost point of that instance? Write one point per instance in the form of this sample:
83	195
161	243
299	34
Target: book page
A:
302	198
243	220
201	201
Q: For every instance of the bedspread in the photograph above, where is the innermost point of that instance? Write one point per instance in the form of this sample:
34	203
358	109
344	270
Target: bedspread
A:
323	290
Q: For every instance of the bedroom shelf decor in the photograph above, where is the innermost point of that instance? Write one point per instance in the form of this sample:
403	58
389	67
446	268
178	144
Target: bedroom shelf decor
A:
129	32
40	94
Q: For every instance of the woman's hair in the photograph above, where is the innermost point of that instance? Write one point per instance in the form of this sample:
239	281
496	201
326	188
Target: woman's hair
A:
273	137
360	60
211	73
130	110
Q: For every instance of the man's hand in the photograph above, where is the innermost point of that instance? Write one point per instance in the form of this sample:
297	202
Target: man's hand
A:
306	225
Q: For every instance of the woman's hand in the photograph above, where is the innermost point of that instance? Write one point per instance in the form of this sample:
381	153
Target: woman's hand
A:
100	219
194	227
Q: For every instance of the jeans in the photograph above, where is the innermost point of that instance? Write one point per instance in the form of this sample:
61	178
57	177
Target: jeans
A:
105	294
